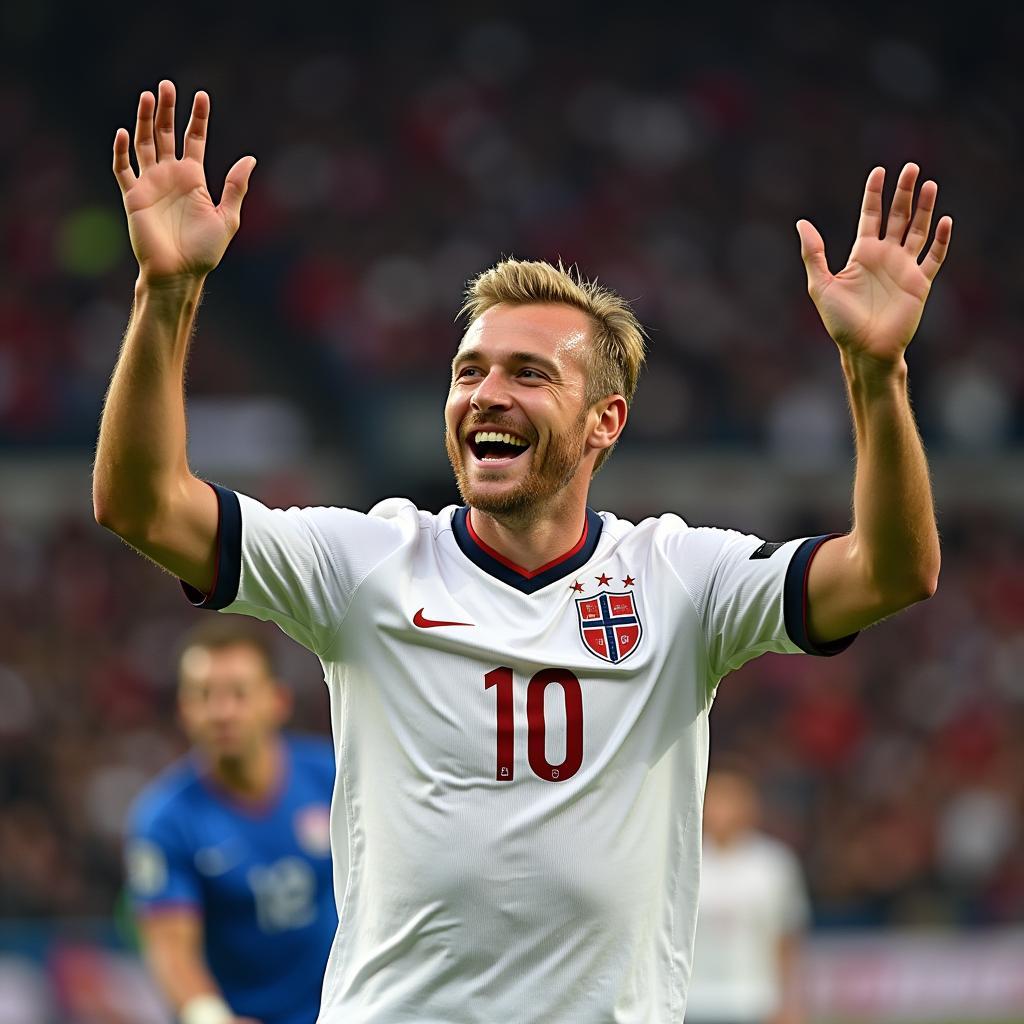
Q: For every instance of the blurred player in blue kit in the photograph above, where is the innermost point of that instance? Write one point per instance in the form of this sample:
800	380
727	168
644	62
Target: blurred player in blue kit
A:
228	851
521	685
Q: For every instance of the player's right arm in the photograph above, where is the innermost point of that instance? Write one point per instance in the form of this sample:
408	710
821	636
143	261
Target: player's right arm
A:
172	941
143	489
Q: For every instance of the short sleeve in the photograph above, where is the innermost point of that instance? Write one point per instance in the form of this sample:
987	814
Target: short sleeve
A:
159	867
751	594
297	567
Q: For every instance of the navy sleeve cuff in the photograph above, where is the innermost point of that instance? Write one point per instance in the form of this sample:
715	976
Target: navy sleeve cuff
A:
794	598
229	555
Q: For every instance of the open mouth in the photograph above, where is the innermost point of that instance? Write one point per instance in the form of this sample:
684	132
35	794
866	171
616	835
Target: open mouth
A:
493	447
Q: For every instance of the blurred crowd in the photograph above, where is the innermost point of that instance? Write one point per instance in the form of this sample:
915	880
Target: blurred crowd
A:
669	155
398	155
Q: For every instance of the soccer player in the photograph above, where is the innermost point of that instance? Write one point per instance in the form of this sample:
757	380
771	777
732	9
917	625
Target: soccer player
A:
520	685
752	912
228	852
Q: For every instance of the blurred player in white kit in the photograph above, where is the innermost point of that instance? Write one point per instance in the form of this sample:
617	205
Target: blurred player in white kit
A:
752	912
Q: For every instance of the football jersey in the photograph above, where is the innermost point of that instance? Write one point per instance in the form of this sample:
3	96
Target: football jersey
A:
751	896
260	876
521	755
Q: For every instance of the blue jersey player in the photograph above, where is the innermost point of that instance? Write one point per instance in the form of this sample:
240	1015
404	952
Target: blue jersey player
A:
228	851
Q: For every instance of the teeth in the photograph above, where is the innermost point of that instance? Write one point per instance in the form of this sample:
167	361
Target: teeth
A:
489	435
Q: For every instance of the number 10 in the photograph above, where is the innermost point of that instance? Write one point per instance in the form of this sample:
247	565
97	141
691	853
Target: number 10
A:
502	679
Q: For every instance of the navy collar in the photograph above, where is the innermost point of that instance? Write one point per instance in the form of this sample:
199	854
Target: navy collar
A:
523	580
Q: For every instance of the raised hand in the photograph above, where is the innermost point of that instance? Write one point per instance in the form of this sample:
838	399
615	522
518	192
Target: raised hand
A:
176	230
873	305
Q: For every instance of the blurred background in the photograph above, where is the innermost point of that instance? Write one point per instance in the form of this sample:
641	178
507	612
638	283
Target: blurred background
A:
401	149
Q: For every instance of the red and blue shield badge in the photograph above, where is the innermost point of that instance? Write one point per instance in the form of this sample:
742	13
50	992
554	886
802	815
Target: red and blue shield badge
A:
609	625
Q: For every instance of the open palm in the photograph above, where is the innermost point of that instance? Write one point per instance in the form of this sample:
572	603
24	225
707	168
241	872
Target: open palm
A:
873	305
176	229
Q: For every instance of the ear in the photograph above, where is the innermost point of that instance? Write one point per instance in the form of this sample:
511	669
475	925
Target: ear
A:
608	417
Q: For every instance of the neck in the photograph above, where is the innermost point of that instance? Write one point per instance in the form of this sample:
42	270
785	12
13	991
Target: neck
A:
532	541
253	776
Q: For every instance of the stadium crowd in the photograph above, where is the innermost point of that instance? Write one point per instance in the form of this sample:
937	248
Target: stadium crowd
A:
404	156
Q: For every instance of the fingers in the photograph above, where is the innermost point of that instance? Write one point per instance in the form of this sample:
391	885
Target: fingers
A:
870	225
920	226
195	133
165	144
235	186
812	252
122	165
910	226
937	253
902	203
145	146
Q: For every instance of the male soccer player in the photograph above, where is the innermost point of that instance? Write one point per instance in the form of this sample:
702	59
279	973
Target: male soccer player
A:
752	913
228	852
521	685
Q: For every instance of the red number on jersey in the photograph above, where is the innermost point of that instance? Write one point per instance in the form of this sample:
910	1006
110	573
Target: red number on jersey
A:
502	679
536	724
573	695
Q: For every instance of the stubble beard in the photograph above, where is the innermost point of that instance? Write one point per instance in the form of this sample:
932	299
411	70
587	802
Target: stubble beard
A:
523	503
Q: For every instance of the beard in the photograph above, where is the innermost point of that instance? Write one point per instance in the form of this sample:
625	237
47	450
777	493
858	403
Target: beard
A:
545	479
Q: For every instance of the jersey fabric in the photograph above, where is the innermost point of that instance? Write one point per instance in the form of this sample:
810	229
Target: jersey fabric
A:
260	876
751	896
521	755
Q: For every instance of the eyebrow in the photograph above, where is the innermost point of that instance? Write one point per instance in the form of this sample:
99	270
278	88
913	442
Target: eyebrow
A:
470	355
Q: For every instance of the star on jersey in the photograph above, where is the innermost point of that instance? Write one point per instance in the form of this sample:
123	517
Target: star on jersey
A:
603	580
576	587
628	581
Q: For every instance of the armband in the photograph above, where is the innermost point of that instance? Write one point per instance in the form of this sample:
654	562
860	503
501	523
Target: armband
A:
206	1009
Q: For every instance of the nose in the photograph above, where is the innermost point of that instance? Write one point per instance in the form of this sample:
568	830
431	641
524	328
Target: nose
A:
223	707
490	393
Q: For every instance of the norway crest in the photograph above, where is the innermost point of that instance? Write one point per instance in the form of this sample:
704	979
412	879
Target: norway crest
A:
609	625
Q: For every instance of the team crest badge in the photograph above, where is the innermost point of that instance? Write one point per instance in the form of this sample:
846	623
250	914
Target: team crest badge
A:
313	829
609	625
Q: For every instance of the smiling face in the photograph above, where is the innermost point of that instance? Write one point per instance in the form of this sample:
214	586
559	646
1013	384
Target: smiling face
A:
518	430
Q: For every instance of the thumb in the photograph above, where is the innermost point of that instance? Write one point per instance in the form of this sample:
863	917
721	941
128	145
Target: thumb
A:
812	252
236	184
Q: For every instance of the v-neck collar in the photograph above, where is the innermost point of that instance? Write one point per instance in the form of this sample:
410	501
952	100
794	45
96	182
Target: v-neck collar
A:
524	580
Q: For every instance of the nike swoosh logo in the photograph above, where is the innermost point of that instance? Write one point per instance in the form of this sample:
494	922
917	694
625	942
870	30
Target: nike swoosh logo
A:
424	623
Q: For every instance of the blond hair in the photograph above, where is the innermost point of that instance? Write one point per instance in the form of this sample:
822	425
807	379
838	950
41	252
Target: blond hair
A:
617	350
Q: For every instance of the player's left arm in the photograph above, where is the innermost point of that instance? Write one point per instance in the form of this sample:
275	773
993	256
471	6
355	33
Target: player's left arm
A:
871	308
787	953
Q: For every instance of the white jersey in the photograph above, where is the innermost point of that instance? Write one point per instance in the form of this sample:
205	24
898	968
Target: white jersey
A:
751	896
521	756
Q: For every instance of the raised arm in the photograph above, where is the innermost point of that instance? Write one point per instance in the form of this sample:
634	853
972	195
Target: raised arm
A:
143	489
871	308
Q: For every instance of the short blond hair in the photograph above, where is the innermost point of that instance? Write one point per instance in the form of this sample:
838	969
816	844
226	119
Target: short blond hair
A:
617	353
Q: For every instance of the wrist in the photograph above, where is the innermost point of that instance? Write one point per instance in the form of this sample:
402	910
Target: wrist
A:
181	287
874	376
206	1008
169	299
